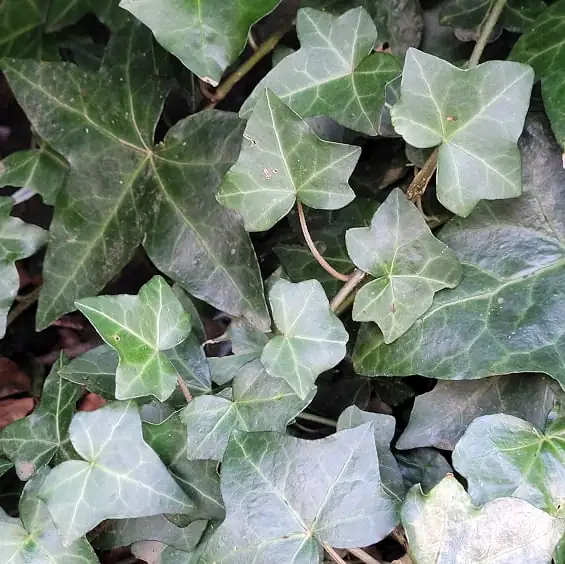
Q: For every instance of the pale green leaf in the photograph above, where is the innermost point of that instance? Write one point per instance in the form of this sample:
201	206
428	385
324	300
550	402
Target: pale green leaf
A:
344	505
408	263
476	122
283	160
424	466
309	339
107	484
245	339
335	73
443	527
225	368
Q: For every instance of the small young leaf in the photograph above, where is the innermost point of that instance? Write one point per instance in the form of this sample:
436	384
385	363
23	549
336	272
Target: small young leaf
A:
140	328
335	73
503	456
444	523
345	505
410	265
310	338
42	436
136	485
259	403
476	122
282	160
424	466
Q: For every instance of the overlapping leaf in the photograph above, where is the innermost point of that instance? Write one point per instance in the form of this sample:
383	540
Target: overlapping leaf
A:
345	506
282	160
409	265
335	73
42	436
424	466
310	338
135	481
141	328
34	538
476	122
444	524
503	317
121	189
206	36
63	13
258	402
18	240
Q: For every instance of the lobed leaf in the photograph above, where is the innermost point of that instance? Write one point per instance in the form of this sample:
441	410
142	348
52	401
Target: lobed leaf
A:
424	466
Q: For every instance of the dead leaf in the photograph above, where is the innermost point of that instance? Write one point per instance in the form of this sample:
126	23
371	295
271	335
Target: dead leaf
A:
13	409
91	402
12	379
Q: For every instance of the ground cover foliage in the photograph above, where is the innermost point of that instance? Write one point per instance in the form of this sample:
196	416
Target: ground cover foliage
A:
282	281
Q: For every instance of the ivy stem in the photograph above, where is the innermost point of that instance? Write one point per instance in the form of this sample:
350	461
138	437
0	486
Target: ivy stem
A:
486	31
363	556
323	262
334	555
317	419
184	389
421	180
262	51
25	302
344	292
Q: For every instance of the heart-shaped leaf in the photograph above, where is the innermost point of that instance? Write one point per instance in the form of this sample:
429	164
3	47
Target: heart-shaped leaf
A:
344	80
504	456
136	485
444	524
345	505
282	160
409	265
140	328
477	123
310	338
259	402
42	436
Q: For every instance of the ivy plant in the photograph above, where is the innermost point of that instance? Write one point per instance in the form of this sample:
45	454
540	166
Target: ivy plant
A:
286	279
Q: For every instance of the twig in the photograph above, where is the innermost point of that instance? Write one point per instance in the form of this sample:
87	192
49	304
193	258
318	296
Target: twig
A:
323	262
262	51
353	281
205	90
317	419
364	556
25	302
421	180
399	536
334	555
251	40
184	389
486	31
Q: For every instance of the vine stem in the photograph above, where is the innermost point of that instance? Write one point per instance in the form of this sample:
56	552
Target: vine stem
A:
317	419
323	262
184	389
364	556
25	302
334	555
344	292
486	31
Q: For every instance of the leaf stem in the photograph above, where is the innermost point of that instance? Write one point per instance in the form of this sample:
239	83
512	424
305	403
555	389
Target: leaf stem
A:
25	302
418	186
363	556
486	30
323	262
334	555
317	419
262	51
184	389
351	284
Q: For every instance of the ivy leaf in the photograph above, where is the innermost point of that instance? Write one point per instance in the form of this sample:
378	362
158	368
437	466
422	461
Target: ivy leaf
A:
344	79
384	425
206	39
504	531
42	436
121	188
34	538
134	486
409	265
199	479
528	396
18	240
487	325
345	506
504	456
140	328
424	466
310	338
259	402
477	123
283	160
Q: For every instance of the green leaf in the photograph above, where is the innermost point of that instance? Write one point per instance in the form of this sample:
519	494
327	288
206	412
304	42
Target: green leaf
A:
477	123
121	189
502	317
383	425
259	402
504	456
409	265
553	91
528	396
310	338
335	73
5	465
504	531
35	539
18	240
140	328
42	436
206	38
424	466
345	506
198	478
136	485
63	13
283	160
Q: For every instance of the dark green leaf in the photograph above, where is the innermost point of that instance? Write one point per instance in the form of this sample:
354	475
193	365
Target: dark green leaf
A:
345	506
424	466
225	368
189	360
63	13
5	465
